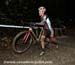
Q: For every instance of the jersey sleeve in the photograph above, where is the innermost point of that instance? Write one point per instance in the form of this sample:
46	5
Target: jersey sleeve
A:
50	27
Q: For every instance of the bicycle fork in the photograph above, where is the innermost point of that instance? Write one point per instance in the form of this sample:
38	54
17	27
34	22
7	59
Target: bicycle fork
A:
26	37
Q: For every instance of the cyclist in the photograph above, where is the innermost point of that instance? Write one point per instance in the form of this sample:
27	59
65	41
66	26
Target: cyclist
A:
48	30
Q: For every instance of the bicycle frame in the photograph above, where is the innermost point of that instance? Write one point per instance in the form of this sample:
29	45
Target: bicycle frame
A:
39	35
36	36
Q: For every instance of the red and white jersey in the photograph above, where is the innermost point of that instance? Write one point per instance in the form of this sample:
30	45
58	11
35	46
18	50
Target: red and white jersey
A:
45	19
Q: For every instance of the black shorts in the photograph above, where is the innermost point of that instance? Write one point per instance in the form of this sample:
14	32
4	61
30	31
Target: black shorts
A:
47	33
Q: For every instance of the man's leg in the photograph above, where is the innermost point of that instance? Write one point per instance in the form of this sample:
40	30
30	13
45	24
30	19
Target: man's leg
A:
54	41
42	44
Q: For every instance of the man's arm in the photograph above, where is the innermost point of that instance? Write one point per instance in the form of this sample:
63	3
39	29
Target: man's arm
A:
50	27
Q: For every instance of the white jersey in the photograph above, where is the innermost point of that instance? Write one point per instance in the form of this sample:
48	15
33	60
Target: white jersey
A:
47	20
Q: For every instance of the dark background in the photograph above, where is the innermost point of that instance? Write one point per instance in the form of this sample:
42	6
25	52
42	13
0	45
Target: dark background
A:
18	11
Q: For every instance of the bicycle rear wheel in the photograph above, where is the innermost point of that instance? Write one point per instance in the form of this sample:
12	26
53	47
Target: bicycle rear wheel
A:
18	45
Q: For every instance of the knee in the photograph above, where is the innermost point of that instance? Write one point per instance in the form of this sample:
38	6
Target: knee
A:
42	38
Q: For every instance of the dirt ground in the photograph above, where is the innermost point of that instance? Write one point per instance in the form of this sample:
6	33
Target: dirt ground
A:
64	55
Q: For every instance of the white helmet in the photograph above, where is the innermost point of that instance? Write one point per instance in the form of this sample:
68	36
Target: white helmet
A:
42	8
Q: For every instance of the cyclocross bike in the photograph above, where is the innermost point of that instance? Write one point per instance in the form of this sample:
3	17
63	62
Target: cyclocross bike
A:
23	40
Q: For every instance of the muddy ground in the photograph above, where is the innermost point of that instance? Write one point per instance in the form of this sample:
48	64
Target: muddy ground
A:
64	55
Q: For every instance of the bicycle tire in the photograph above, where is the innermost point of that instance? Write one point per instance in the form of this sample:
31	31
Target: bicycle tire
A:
16	39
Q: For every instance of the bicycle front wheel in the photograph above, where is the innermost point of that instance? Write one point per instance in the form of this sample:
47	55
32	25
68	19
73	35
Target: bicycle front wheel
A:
18	45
